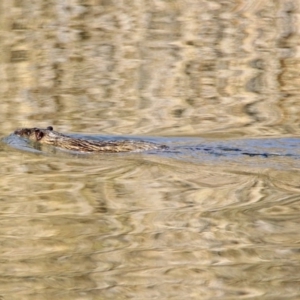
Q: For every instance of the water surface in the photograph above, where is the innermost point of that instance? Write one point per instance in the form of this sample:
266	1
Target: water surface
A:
217	81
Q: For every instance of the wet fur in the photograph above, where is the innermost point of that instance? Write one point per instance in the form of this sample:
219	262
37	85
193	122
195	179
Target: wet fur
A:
50	137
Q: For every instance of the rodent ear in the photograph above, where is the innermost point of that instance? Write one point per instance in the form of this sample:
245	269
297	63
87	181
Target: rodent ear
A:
50	128
39	135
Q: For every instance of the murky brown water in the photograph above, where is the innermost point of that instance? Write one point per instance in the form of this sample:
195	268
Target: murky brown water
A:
191	224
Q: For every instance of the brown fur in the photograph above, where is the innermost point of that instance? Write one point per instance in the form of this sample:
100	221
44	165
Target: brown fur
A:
50	137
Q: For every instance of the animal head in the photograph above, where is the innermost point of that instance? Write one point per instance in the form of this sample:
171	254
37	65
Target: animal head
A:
34	134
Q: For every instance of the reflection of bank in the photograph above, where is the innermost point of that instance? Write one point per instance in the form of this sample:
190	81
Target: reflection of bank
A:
109	219
164	69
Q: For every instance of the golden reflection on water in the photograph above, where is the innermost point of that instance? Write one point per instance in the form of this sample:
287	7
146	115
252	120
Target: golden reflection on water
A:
147	226
159	67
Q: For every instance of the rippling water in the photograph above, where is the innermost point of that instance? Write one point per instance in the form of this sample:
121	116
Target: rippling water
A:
216	216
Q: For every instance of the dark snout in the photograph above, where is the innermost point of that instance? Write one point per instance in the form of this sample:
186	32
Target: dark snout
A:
23	132
18	132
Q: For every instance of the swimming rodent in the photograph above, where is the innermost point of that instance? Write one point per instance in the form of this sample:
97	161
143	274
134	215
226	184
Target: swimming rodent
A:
50	137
